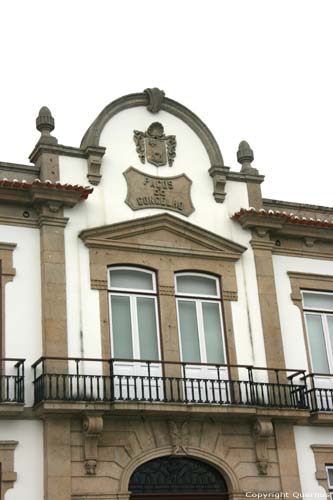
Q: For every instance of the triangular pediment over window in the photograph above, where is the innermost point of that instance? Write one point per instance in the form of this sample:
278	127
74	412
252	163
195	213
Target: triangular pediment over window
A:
163	234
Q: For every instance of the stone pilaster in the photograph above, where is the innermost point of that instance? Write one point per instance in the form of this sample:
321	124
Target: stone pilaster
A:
53	282
286	449
262	249
57	459
7	273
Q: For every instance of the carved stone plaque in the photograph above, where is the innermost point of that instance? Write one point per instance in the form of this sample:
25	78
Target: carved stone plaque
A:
149	191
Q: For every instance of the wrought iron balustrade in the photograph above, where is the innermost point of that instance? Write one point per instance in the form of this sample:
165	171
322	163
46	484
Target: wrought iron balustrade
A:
109	380
320	391
11	380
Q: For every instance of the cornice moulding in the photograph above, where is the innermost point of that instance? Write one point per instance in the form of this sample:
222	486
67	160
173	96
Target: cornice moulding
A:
285	225
310	276
195	241
19	168
62	150
306	254
39	193
241	177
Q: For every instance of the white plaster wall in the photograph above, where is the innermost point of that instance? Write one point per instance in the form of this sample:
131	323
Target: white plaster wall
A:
290	315
304	438
83	315
23	300
107	205
28	458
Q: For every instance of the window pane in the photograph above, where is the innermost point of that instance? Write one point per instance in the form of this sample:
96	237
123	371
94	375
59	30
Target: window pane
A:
189	331
147	327
317	343
330	477
129	278
318	300
196	285
121	327
213	332
330	330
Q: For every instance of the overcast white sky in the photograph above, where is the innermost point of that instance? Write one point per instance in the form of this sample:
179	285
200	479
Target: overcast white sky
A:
259	70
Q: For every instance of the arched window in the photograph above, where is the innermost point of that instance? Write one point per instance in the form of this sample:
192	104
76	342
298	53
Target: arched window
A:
133	313
200	321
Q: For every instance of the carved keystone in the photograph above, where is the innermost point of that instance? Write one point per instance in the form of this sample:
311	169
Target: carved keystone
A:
179	437
262	431
92	428
155	99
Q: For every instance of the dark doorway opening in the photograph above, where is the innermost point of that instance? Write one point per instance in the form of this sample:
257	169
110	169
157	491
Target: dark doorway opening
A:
172	478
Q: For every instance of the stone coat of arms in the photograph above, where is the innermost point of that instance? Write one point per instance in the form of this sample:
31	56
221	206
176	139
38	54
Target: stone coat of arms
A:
154	146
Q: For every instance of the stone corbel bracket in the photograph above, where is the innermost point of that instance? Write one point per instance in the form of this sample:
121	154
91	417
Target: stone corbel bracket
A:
94	155
262	431
219	176
92	428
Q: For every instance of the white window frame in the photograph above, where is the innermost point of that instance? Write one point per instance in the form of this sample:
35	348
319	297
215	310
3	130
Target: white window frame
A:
133	295
199	299
330	485
323	314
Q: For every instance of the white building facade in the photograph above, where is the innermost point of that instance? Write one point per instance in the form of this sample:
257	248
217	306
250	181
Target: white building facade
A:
166	330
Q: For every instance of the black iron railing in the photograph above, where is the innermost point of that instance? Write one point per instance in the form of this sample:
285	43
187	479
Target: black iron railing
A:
108	380
319	391
11	380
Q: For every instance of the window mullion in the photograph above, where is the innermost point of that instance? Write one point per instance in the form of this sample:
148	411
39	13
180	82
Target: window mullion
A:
135	329
327	341
201	332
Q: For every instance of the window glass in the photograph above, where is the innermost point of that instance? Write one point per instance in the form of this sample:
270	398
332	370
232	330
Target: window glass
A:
318	300
213	333
147	327
330	331
131	279
317	343
330	476
121	326
189	331
196	285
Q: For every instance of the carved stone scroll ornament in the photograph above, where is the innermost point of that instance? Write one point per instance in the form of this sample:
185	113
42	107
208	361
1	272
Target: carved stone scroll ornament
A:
92	428
179	436
262	431
153	145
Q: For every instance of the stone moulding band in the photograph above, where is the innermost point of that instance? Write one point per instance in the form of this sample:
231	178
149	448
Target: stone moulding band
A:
93	134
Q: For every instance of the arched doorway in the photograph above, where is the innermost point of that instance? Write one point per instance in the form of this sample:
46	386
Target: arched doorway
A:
173	478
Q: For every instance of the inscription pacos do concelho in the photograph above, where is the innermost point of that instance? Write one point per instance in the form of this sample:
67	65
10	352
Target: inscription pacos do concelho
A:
149	191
